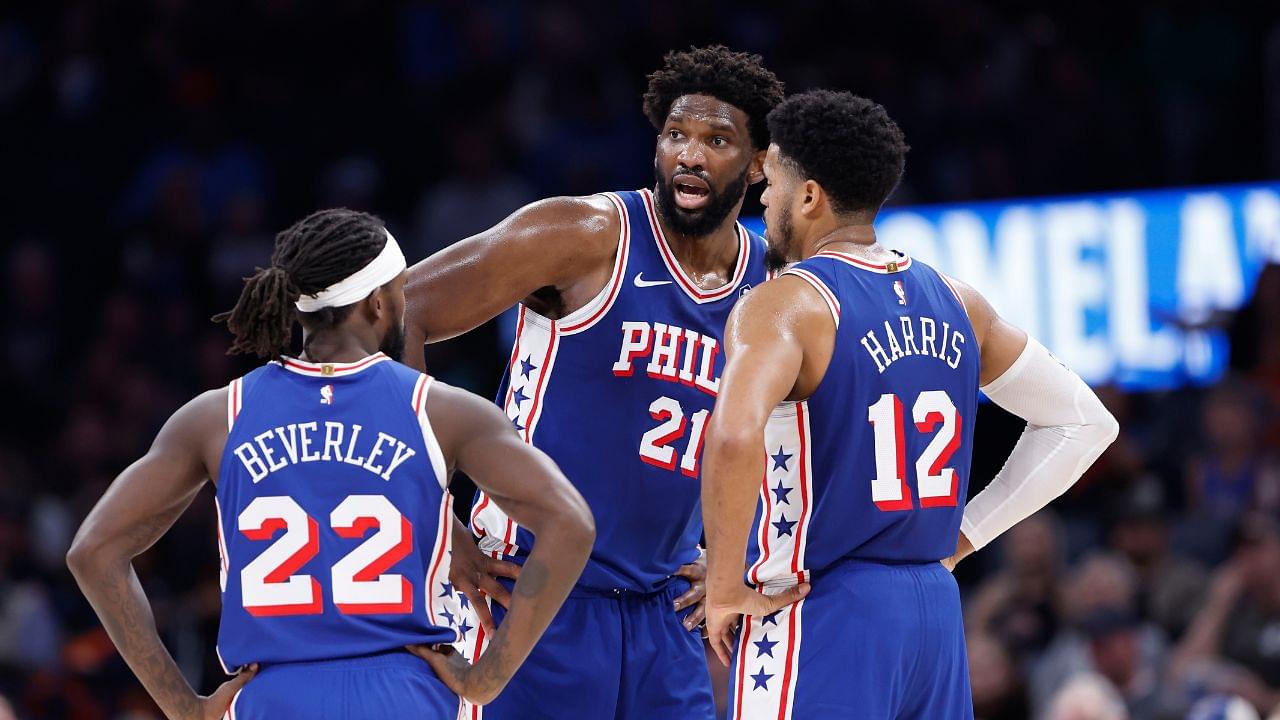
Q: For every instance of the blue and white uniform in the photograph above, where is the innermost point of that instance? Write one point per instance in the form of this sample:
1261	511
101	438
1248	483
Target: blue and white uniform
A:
863	494
334	521
618	393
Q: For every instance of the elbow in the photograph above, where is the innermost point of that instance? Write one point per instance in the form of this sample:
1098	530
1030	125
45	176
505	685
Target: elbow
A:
572	519
1106	429
82	556
581	523
726	442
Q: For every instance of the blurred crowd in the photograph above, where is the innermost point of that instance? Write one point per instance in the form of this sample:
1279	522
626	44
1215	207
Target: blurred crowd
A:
153	149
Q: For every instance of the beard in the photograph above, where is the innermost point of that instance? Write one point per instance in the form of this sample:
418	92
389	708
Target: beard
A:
393	344
780	239
698	223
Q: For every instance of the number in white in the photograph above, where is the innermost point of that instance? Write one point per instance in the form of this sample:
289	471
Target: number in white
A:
655	447
268	585
359	585
889	489
693	453
936	485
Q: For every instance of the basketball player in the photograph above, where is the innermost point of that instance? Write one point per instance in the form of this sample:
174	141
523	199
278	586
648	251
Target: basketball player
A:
616	364
331	472
858	371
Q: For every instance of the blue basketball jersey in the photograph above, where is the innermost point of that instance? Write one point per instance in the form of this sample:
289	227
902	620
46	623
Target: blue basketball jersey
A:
333	516
875	464
618	393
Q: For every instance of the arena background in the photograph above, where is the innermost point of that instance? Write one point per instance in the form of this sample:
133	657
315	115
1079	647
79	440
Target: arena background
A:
152	149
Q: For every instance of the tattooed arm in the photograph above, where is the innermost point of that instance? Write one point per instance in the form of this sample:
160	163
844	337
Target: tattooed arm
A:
478	439
136	510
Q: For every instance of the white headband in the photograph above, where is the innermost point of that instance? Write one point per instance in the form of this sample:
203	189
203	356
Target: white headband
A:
357	286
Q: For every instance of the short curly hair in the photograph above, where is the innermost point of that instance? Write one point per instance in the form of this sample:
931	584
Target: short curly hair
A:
848	144
737	78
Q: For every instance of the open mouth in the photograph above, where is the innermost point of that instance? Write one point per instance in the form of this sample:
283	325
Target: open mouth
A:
692	192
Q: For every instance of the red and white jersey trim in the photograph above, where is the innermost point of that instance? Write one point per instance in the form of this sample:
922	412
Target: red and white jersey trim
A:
786	499
952	287
314	369
768	665
533	358
235	401
420	392
833	303
682	279
883	269
591	313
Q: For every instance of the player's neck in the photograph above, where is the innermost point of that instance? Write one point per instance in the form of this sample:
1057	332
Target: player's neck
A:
337	347
857	238
715	253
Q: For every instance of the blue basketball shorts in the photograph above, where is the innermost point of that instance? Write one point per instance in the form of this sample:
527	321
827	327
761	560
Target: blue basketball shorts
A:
870	641
389	686
608	655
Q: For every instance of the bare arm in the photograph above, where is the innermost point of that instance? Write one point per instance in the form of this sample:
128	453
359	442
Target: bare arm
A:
560	242
138	508
480	441
783	326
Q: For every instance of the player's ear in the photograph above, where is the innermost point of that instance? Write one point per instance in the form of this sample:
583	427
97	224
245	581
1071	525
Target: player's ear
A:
376	304
755	171
811	198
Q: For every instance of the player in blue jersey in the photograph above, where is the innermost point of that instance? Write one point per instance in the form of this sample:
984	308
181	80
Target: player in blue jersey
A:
858	372
614	370
331	471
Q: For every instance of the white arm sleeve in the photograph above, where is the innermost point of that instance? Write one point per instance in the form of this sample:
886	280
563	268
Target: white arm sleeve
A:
1067	429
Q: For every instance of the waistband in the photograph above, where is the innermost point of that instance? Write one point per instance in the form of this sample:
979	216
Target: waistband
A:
664	587
852	563
398	657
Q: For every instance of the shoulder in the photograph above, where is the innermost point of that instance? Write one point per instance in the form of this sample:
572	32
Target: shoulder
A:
197	430
981	314
590	221
787	304
458	416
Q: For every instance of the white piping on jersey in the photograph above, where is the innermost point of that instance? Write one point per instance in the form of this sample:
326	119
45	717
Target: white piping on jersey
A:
783	534
883	269
421	389
774	666
686	283
955	292
235	401
595	309
828	297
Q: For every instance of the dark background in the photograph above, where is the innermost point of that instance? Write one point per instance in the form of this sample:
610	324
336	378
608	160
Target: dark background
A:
154	148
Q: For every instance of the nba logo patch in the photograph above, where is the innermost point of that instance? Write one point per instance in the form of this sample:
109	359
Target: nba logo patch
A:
743	291
326	395
900	291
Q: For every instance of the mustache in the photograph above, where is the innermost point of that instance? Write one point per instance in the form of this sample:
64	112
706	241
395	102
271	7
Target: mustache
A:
703	176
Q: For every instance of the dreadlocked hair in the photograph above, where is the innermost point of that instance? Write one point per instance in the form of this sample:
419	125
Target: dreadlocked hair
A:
312	254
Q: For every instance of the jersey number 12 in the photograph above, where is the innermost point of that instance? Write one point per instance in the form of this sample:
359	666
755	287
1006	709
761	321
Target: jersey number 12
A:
937	485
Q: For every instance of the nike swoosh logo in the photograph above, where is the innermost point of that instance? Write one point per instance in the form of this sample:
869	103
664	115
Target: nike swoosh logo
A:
641	282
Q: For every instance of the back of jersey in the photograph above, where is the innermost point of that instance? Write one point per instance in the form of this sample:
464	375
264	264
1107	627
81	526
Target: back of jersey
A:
332	512
875	464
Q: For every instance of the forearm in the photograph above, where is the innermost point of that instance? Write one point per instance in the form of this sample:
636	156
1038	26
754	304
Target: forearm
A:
548	575
112	588
1067	429
731	476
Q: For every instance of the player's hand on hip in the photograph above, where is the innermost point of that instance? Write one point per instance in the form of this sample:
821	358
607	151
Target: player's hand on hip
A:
696	573
724	611
475	575
214	707
454	671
